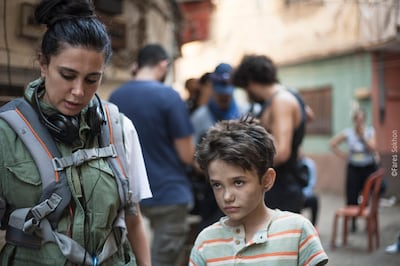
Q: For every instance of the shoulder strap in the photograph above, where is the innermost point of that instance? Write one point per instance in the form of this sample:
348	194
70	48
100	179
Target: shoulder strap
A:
23	119
267	103
301	102
111	133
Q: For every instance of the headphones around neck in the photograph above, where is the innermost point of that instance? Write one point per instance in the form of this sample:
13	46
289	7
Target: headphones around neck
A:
65	128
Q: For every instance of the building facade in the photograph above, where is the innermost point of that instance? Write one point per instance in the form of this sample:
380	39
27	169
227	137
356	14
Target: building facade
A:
339	54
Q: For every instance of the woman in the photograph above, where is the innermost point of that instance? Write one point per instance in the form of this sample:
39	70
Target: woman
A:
360	158
74	51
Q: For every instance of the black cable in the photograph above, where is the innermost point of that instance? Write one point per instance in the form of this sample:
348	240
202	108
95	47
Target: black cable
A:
6	42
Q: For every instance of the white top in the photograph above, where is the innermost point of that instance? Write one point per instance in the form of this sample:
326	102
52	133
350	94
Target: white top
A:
138	180
359	153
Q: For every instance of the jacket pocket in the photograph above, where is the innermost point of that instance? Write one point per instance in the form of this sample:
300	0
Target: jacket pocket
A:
22	187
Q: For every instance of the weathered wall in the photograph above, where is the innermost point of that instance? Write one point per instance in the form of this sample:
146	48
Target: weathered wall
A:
156	22
300	32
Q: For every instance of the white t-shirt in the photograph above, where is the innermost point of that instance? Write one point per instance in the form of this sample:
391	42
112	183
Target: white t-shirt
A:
138	180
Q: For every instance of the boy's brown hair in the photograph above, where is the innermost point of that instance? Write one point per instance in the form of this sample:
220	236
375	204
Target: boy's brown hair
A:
244	143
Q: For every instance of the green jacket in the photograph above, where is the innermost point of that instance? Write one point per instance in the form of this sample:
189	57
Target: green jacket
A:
94	204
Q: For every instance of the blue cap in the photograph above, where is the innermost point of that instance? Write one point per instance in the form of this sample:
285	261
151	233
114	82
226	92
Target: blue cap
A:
221	79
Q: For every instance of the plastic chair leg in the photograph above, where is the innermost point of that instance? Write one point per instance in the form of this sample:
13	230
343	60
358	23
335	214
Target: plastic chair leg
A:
370	233
333	237
345	229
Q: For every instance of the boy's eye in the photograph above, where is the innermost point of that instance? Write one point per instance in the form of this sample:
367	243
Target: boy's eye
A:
239	183
216	185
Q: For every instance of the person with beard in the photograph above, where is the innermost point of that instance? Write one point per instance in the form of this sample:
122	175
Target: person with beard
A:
284	115
163	125
221	106
192	87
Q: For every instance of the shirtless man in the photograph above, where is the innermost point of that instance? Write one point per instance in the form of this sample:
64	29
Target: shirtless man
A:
284	115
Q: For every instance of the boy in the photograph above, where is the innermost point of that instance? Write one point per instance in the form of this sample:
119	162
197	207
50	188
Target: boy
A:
237	157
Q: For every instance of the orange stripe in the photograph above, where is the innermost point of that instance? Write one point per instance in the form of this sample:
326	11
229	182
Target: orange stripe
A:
220	259
273	254
39	139
284	216
287	232
219	240
306	240
192	262
112	139
312	257
109	124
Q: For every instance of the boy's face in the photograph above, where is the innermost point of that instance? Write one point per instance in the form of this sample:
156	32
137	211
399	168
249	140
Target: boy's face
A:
239	193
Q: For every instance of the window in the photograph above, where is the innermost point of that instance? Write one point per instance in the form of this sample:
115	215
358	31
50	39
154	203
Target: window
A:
320	101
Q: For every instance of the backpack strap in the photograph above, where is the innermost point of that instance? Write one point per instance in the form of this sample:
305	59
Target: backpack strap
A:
113	135
23	119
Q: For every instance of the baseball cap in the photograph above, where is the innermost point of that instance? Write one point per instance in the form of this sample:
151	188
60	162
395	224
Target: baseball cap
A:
221	79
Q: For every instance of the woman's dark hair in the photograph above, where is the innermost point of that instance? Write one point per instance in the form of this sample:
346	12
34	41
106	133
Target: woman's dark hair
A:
71	23
243	143
256	68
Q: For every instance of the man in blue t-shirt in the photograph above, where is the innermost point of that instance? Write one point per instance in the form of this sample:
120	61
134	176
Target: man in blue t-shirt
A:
165	132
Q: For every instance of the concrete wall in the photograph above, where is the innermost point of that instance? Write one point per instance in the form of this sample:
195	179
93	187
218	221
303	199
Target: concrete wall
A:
344	74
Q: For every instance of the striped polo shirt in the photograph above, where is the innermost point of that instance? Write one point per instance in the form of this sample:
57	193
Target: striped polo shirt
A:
288	239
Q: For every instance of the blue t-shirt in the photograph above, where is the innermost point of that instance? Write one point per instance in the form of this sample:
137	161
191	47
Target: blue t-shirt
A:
160	116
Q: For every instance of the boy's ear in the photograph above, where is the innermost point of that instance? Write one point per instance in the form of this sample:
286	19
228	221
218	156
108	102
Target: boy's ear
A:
269	179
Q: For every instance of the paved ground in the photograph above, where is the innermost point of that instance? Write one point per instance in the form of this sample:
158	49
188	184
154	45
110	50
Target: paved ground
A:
355	253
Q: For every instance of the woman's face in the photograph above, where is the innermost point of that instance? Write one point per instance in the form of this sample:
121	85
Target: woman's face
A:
71	78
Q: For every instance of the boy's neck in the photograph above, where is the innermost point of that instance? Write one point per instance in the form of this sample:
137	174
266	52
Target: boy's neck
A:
259	222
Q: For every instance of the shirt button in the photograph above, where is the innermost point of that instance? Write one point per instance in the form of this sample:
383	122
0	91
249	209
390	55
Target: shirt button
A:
237	231
237	242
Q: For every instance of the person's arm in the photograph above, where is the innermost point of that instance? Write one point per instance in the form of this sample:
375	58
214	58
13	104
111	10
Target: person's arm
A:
370	142
139	186
185	149
334	145
138	238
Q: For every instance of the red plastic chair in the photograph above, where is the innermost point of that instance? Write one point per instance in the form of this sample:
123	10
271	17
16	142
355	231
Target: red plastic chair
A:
368	209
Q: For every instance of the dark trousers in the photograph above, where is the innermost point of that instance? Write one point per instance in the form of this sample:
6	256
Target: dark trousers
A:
312	203
356	177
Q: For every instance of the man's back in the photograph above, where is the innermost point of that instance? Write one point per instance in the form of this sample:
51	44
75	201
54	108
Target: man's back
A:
160	116
165	132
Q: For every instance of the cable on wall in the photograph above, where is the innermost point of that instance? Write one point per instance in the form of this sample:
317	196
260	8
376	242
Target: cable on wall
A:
6	42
